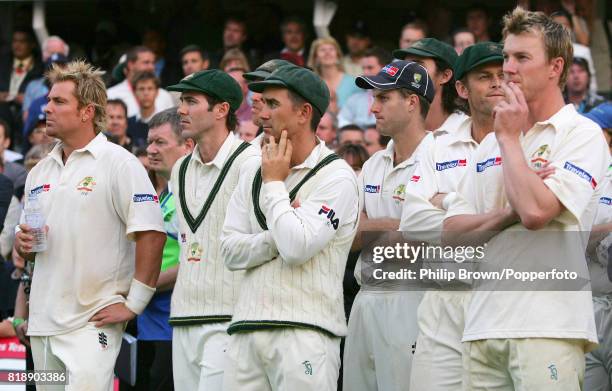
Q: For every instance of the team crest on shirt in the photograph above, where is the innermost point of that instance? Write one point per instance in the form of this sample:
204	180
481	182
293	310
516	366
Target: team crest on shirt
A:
539	157
399	193
86	185
194	253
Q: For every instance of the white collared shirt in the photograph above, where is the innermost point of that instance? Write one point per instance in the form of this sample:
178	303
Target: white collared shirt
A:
124	92
93	204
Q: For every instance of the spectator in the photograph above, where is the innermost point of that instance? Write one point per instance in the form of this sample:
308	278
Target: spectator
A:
327	129
351	134
138	59
165	70
357	108
165	147
293	31
477	20
462	38
355	155
194	59
14	171
357	43
244	111
54	45
37	153
146	89
17	69
577	87
324	59
234	36
117	124
374	141
411	33
234	59
34	131
39	87
564	18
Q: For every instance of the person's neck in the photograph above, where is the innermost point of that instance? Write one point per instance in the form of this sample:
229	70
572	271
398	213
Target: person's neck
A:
161	182
436	115
24	58
330	72
78	140
545	106
482	124
146	113
295	51
576	97
407	141
210	142
303	144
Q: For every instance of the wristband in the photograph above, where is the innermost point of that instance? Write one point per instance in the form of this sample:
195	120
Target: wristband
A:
17	322
139	296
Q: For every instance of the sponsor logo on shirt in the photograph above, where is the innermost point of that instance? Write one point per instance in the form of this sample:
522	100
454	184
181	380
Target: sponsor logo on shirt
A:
41	189
494	161
581	173
86	185
372	188
145	198
390	70
415	178
452	164
605	200
330	214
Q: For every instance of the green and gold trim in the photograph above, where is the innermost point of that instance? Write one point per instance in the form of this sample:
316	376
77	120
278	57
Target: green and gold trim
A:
193	320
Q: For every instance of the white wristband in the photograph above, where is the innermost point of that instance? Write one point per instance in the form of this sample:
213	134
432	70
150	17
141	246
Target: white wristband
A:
139	296
448	200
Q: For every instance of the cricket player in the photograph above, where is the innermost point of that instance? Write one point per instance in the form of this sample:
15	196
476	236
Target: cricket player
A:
437	363
402	93
290	226
531	339
205	291
101	212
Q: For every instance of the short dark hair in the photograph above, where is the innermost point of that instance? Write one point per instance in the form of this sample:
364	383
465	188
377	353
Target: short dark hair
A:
236	18
478	7
416	25
6	128
134	52
194	48
423	103
118	102
356	150
231	121
143	76
382	55
297	100
293	19
350	127
170	117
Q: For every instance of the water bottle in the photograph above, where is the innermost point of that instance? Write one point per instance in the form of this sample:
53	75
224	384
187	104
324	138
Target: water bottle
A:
35	218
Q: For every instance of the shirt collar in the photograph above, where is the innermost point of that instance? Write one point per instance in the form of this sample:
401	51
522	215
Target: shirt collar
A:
463	132
313	158
26	62
414	158
300	53
451	123
221	155
560	119
94	147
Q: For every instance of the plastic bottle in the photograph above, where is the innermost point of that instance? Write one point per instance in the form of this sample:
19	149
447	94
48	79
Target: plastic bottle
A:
35	218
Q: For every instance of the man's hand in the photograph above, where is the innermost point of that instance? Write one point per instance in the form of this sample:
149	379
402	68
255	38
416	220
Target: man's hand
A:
24	240
510	114
276	159
437	200
545	171
114	313
21	332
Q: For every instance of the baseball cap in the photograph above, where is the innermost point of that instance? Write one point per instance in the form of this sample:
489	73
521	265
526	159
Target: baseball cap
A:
212	82
601	115
300	80
400	74
265	69
430	48
476	55
36	114
56	58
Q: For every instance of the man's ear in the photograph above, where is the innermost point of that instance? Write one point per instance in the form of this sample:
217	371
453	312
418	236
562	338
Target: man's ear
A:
462	89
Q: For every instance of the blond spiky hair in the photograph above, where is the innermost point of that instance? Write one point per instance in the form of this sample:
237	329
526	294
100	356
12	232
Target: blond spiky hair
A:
557	39
89	89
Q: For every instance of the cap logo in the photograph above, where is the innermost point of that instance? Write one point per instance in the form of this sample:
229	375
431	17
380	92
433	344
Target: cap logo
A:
390	70
188	77
493	48
417	80
417	77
